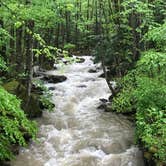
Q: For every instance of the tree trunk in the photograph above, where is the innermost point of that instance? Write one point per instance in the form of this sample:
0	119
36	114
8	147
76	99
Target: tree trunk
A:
3	47
19	56
29	56
106	77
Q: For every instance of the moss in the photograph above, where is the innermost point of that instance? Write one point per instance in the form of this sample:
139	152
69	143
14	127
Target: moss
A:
33	109
11	86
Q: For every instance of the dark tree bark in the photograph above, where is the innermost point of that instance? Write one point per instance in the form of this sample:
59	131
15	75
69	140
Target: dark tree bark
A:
57	35
3	47
19	55
106	77
29	57
12	50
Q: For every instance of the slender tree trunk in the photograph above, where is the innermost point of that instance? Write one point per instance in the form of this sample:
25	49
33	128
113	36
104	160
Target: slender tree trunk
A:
96	18
134	23
29	56
57	35
76	25
19	55
3	47
12	46
106	77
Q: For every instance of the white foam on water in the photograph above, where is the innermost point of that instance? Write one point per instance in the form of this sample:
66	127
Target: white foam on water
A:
77	133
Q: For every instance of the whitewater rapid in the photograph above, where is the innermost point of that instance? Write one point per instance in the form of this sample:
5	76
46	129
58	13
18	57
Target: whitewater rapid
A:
76	133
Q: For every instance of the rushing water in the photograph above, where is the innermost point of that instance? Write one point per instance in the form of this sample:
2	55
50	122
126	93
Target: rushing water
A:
78	134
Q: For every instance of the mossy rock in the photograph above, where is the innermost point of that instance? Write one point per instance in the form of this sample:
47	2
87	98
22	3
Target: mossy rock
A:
11	86
48	65
148	155
33	109
109	108
159	163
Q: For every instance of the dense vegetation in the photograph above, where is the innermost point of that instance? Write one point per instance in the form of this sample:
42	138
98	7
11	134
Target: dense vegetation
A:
127	36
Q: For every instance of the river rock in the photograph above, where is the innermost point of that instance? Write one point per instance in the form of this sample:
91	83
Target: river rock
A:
54	78
103	104
51	88
46	106
80	60
15	149
81	86
103	75
5	163
33	110
92	71
108	107
37	89
114	147
110	98
103	100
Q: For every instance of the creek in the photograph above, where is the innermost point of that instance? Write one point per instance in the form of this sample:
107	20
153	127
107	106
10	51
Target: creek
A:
76	133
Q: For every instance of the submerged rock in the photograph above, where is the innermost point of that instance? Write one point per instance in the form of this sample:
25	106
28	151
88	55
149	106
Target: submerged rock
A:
54	78
102	106
51	88
81	86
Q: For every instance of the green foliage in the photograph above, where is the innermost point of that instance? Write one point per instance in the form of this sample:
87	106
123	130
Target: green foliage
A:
13	124
146	96
46	96
4	36
3	66
157	35
69	46
144	92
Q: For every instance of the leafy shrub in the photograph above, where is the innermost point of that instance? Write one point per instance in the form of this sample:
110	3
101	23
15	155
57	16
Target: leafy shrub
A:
144	92
69	46
46	96
13	124
3	66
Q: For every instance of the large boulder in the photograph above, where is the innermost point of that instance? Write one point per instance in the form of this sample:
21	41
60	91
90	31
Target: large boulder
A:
54	78
33	109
